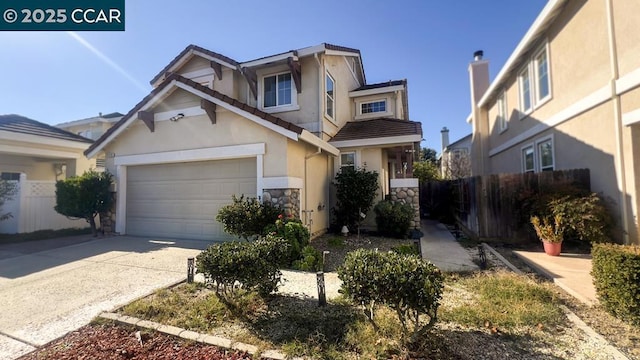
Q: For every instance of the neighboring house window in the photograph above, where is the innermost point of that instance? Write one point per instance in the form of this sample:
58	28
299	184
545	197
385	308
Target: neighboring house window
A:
10	176
545	154
277	90
348	160
330	95
373	107
542	75
502	113
524	80
528	162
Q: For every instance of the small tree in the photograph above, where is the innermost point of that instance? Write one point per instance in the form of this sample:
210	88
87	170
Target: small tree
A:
84	197
426	171
355	193
247	217
456	165
7	190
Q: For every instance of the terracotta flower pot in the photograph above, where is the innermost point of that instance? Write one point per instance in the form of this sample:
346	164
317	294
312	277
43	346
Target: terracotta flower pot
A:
552	249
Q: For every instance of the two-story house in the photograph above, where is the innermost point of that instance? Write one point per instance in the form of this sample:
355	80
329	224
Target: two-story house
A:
455	157
568	97
278	127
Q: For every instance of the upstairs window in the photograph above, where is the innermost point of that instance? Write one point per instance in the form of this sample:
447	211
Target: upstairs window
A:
524	81
277	90
373	107
502	120
542	75
329	96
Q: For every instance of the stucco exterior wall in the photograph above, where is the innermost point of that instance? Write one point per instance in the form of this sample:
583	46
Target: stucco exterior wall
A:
197	132
344	82
179	99
627	36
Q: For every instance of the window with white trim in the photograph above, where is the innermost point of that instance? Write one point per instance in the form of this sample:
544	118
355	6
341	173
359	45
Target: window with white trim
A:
348	161
277	90
545	155
329	90
542	75
524	84
528	160
373	107
502	120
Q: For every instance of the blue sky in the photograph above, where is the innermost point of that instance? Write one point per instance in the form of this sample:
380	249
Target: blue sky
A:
55	77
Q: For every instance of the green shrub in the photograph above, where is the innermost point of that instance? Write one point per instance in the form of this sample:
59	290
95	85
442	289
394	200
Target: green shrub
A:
336	242
584	217
616	276
393	218
250	265
405	249
355	193
407	284
247	217
292	230
310	260
7	190
84	197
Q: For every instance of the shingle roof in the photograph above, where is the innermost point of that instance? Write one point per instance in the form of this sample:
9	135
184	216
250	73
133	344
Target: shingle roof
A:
186	50
382	84
377	128
238	104
23	125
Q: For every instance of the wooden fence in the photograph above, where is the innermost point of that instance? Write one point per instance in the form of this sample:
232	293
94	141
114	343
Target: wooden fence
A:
491	206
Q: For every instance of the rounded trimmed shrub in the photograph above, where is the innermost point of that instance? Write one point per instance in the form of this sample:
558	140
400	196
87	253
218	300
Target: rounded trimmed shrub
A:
393	218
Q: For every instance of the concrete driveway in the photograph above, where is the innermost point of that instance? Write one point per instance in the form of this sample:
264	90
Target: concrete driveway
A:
45	294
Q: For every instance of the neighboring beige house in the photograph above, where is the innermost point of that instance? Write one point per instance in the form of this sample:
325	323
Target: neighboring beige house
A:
35	155
455	158
568	97
278	127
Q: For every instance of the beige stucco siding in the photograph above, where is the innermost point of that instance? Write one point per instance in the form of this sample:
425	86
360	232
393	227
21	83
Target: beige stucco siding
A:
179	99
194	64
630	101
197	132
627	35
344	82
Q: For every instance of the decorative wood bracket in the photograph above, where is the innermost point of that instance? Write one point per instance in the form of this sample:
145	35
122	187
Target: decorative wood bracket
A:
210	109
148	118
252	79
296	71
217	68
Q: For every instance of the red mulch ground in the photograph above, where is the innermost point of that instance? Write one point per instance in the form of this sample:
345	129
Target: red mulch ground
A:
113	342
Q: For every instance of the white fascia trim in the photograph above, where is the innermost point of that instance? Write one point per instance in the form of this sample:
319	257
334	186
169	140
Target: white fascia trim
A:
214	59
190	111
628	82
391	140
282	182
279	129
42	140
400	183
588	102
353	74
631	117
341	53
270	59
469	118
44	153
214	153
543	18
168	89
308	137
86	122
381	90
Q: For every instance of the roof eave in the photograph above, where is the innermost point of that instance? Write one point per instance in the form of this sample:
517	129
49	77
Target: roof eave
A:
378	141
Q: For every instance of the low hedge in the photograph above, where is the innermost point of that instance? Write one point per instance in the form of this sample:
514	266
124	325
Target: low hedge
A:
616	276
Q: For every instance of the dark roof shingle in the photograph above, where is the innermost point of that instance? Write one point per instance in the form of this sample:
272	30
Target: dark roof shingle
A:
233	102
382	84
377	128
24	125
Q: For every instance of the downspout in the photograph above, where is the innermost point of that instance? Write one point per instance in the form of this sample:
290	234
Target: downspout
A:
620	164
307	213
320	98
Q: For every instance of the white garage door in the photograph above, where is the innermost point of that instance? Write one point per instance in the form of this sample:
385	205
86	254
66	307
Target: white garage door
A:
181	200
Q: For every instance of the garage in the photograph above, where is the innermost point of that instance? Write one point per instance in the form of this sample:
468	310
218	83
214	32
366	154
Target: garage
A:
181	200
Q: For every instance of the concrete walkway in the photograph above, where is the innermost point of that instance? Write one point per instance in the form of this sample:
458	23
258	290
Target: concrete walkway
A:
441	248
571	272
46	294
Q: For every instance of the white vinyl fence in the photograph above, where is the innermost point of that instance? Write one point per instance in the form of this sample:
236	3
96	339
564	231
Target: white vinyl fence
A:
32	209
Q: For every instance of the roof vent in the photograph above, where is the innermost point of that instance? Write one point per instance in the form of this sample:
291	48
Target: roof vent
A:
477	56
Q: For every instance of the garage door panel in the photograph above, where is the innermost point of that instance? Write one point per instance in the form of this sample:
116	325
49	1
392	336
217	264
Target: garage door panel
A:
181	200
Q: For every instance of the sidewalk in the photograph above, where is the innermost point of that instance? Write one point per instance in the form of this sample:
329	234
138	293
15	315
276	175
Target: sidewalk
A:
441	248
571	272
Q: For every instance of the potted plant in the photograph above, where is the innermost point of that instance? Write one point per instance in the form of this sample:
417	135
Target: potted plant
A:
550	233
